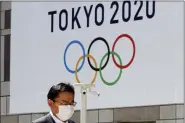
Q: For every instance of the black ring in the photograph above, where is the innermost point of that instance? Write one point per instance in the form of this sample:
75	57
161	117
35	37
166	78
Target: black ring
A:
101	39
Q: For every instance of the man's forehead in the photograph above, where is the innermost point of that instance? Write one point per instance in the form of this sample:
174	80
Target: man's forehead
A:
65	96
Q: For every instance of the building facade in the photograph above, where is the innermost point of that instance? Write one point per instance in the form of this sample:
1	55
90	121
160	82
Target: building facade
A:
172	113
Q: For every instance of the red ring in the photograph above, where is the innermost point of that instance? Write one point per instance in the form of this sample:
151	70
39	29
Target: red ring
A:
134	50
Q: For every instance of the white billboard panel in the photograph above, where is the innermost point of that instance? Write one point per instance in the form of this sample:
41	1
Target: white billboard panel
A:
138	46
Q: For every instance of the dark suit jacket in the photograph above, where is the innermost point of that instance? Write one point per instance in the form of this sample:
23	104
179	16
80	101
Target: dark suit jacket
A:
48	119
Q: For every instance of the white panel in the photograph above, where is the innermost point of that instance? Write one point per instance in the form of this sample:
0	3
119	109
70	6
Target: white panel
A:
37	54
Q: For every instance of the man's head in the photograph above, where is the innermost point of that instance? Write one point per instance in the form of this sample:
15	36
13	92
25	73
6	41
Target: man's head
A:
61	100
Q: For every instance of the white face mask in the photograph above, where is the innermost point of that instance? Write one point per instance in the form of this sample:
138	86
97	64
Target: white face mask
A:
65	112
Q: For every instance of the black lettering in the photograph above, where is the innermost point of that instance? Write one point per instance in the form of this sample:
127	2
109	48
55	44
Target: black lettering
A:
102	14
137	17
113	20
123	11
75	18
52	19
147	9
88	13
63	11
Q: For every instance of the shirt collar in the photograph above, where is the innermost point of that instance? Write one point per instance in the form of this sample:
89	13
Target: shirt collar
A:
56	119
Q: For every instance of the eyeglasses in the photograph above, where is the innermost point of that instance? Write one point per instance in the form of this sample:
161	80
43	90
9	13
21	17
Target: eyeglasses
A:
65	103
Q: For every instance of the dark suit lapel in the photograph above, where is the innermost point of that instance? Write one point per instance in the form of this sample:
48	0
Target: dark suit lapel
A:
50	119
70	121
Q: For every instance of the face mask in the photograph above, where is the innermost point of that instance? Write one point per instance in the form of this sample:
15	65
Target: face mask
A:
65	112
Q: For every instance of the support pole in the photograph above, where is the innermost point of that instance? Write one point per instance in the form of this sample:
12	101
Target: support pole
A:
84	89
83	116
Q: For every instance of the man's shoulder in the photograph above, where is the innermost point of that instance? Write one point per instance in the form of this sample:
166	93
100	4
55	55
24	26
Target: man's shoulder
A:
41	119
45	118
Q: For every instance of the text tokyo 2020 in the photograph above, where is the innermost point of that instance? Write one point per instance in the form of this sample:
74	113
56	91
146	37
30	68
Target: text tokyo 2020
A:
69	19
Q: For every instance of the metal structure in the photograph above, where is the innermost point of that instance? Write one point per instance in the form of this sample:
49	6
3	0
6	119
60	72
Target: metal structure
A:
85	88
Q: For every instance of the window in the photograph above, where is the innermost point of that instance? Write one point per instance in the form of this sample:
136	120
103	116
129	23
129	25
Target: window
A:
0	58
7	19
7	58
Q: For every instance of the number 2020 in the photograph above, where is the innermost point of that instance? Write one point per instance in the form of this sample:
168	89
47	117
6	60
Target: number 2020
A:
127	4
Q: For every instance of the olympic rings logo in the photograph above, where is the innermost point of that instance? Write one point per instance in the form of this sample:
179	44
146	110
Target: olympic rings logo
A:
101	66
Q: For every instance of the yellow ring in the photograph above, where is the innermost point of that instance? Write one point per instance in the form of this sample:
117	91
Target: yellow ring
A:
76	69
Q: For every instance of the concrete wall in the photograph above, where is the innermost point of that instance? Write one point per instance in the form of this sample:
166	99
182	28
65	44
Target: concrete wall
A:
159	113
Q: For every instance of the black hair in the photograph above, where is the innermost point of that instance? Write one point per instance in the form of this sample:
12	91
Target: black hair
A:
61	87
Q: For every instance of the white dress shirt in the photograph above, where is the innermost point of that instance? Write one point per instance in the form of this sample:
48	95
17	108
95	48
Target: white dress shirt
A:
56	119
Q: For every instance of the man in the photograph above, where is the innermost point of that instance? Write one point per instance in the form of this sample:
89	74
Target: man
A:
61	102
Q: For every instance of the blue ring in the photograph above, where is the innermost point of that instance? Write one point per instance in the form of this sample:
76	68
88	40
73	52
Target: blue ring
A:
83	49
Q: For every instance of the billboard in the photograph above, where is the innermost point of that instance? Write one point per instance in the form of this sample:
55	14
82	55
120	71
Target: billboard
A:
132	49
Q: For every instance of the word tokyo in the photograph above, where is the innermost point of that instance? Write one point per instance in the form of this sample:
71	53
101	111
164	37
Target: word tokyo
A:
128	10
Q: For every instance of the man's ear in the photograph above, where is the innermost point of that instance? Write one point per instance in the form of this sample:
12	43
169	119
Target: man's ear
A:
50	102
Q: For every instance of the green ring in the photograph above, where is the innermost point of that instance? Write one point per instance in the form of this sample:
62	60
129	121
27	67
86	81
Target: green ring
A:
100	71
